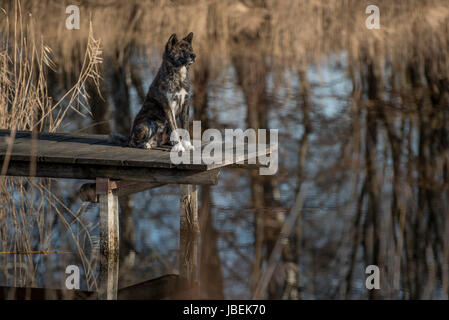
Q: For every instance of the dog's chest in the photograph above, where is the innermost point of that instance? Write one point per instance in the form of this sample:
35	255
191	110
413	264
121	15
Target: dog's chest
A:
177	100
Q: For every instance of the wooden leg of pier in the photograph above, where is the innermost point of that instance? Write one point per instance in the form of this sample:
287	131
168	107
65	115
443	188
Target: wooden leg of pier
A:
109	240
189	234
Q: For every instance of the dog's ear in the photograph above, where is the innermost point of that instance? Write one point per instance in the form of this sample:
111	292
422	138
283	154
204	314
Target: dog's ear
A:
189	37
171	41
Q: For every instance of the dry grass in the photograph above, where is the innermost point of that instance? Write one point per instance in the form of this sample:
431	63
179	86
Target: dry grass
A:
30	207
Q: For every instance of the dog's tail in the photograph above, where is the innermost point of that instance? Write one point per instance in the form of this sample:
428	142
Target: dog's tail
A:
118	139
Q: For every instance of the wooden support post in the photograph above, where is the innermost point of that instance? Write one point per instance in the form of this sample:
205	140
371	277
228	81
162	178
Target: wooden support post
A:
109	240
189	234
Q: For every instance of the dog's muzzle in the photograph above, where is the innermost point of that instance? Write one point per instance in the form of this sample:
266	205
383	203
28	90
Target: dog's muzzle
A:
192	58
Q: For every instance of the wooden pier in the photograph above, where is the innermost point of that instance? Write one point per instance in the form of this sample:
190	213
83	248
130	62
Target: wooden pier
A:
118	171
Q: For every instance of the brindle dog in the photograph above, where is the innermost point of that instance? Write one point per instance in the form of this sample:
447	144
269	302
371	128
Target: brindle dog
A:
167	99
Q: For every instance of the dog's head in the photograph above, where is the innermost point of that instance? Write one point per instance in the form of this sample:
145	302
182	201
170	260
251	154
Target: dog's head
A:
180	52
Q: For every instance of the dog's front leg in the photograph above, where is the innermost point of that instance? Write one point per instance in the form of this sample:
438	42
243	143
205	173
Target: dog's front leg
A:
173	128
185	125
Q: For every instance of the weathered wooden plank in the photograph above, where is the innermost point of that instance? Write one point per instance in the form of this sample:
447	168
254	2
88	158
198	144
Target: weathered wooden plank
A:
169	286
109	241
126	188
48	141
230	156
63	148
87	191
74	152
49	151
246	166
90	172
188	234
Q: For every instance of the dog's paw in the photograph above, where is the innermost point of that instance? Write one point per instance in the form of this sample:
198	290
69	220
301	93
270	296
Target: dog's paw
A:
178	148
187	145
